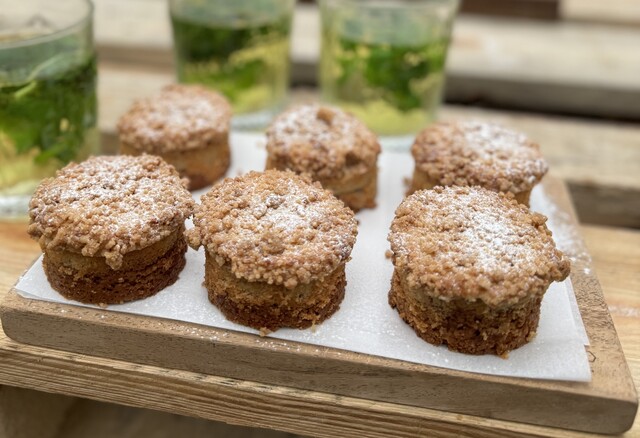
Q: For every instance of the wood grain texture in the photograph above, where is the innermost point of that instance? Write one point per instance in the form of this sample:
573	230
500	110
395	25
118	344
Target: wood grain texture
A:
616	258
600	161
562	66
17	251
298	411
606	405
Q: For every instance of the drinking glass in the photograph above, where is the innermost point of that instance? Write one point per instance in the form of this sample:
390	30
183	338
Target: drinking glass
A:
47	94
383	60
240	48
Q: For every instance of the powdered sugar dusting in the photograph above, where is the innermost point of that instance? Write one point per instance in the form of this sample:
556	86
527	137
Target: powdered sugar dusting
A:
322	141
468	242
479	153
275	227
179	117
492	242
303	124
504	149
566	234
109	206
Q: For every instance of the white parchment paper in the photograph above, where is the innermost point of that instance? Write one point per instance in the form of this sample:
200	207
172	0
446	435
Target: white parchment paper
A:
365	322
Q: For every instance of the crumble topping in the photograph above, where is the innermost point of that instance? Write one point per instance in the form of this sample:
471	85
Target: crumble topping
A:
477	153
323	141
274	226
109	206
472	243
179	117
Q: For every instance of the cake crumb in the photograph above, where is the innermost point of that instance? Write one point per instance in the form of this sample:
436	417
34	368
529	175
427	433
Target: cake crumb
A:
264	332
325	114
103	305
388	254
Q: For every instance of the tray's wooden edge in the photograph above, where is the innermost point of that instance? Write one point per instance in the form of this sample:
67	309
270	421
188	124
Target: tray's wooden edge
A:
212	351
606	405
239	402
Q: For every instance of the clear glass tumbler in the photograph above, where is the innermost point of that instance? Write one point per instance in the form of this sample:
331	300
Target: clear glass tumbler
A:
383	60
240	48
47	94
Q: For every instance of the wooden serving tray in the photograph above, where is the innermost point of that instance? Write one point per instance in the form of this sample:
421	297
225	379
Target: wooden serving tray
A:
607	404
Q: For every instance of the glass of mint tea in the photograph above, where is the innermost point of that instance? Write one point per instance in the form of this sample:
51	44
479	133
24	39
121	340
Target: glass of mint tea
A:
47	94
239	48
383	60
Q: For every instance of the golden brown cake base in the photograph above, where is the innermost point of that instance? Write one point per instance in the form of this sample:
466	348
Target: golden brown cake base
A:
144	272
465	326
201	166
421	181
270	307
364	197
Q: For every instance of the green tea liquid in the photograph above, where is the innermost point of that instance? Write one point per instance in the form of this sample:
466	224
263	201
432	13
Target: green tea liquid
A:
45	123
247	61
395	88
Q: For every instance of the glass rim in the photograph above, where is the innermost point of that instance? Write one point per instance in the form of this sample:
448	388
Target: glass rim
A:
56	34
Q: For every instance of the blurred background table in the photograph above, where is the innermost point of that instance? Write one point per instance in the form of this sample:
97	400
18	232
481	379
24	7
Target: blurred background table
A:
570	78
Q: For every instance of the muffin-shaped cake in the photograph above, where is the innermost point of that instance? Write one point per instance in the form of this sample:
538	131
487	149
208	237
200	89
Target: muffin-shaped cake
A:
276	246
471	268
474	153
331	146
112	228
187	125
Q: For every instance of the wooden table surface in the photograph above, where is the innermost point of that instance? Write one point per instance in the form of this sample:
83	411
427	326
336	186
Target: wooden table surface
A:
599	159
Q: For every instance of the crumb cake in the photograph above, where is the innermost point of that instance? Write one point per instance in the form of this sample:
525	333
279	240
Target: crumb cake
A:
331	146
471	153
471	267
187	125
276	246
111	228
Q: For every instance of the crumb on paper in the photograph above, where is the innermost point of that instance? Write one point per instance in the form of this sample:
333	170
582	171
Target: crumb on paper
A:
388	254
103	305
313	328
406	181
264	332
325	114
